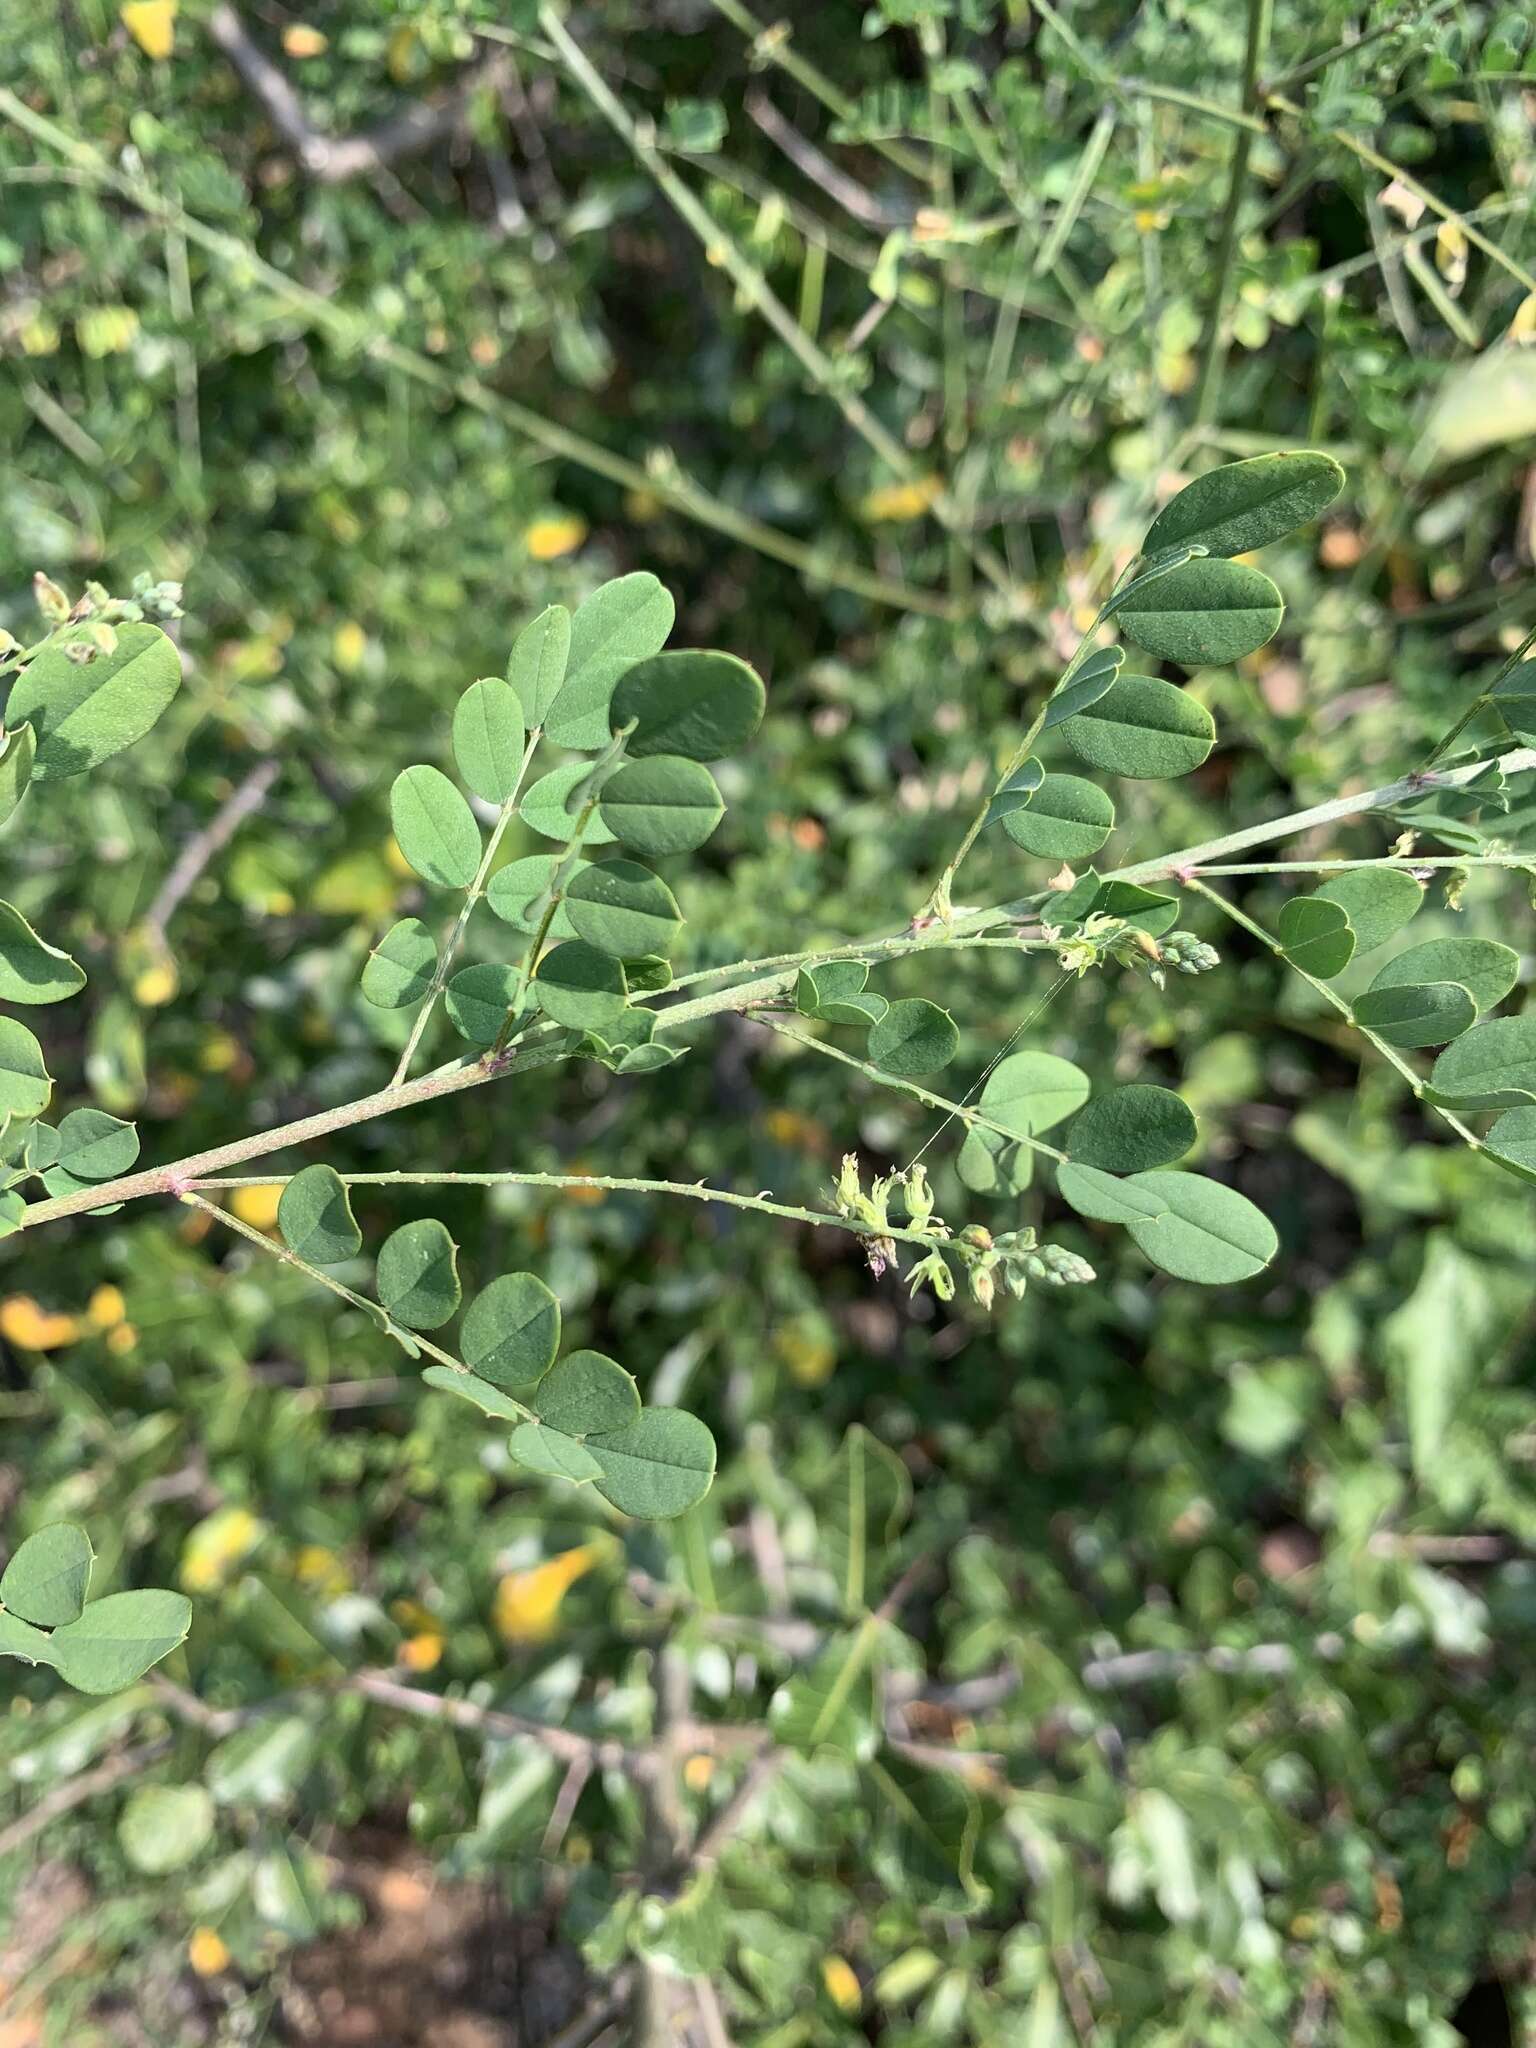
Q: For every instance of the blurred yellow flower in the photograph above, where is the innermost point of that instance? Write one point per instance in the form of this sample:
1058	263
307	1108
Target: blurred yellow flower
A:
217	1547
300	40
206	1953
421	1653
106	1308
560	534
843	1986
902	501
155	985
527	1608
33	1328
257	1206
152	24
697	1772
321	1571
349	644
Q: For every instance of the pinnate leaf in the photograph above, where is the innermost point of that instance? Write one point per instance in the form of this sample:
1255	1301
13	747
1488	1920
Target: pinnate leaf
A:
117	1639
82	713
399	970
418	1278
32	971
488	739
913	1037
699	704
619	625
46	1581
511	1332
315	1216
1066	819
1244	505
1207	612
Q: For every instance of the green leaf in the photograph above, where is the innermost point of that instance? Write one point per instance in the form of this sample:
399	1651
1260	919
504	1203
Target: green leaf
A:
1245	505
24	1083
553	1454
19	1639
832	1704
1514	698
1377	902
1433	1344
511	1332
469	1386
699	704
117	1639
659	1466
835	993
1512	1141
1146	909
666	804
1142	728
1206	613
477	1000
94	1146
488	739
315	1216
46	1581
1096	675
32	971
1316	936
399	970
1414	1014
862	1500
85	712
556	801
1016	792
586	1393
17	750
580	987
518	892
1066	819
537	665
925	1842
688	1933
913	1037
418	1278
434	827
1492	1067
1131	1129
1030	1092
1484	968
619	625
264	1764
165	1827
1104	1199
623	909
1207	1232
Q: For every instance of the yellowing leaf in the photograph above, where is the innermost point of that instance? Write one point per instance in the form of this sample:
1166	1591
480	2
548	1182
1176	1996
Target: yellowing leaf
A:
32	1328
561	534
257	1206
902	501
217	1547
206	1953
527	1605
152	24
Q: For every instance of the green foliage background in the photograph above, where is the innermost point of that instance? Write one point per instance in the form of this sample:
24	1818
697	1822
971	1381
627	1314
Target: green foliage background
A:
1230	1591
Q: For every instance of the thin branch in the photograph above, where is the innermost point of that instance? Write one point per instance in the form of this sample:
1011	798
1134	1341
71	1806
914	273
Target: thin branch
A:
844	191
76	1791
332	160
204	846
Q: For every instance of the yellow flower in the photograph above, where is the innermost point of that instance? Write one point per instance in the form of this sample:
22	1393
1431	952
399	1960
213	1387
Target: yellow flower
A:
206	1953
219	1051
122	1339
421	1653
843	1987
152	24
697	1772
322	1571
257	1206
217	1547
349	644
528	1603
902	501
106	1308
300	40
32	1328
560	534
155	985
808	1349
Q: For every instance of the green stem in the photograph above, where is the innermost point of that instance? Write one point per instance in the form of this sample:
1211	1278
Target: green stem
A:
762	1205
472	896
967	1115
1214	361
